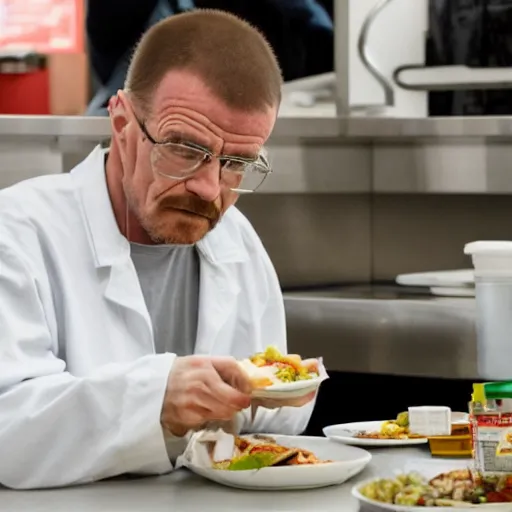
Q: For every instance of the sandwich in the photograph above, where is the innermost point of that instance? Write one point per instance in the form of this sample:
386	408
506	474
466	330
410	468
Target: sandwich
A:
268	368
257	452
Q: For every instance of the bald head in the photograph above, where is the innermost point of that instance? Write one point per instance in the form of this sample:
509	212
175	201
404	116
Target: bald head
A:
230	56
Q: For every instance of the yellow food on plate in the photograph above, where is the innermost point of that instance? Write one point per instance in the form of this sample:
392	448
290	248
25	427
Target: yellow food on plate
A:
392	429
271	367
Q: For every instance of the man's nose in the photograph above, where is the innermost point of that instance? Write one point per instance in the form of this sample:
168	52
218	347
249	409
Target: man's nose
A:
205	182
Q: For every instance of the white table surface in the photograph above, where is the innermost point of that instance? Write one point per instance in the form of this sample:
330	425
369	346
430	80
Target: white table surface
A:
182	491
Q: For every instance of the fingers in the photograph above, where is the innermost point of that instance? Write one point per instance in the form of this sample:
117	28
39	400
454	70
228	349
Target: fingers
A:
203	389
218	409
216	399
230	372
225	394
185	421
197	415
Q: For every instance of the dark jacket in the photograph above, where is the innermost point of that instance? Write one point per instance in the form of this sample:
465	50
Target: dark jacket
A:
300	31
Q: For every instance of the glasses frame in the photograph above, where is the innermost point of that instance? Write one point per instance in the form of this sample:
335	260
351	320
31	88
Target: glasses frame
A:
263	167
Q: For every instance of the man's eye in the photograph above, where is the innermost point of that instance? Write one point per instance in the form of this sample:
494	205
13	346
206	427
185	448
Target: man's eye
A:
234	165
184	152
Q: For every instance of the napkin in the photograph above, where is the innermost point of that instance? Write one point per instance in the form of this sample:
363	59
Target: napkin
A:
207	446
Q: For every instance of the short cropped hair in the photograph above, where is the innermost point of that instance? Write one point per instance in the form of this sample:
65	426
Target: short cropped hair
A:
232	57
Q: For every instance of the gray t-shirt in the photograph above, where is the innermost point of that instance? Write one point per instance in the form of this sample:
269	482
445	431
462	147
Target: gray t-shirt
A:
169	278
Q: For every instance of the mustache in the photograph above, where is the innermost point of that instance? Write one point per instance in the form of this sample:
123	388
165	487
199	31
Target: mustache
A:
192	204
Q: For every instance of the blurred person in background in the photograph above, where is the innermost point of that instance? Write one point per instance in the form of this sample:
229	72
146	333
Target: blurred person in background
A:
476	35
299	31
132	285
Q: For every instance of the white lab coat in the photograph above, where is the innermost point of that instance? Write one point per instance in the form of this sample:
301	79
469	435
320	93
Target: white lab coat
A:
81	387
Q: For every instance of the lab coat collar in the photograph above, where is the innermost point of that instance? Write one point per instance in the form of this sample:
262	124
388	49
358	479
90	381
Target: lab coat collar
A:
110	246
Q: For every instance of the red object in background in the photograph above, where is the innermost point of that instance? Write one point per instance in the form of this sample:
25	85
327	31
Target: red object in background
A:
25	93
40	26
43	26
24	84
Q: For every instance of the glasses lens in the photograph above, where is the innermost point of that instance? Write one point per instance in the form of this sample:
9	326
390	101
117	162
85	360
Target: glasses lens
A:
175	160
249	178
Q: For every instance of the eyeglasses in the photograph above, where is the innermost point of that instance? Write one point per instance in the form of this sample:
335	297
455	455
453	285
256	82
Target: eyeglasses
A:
180	160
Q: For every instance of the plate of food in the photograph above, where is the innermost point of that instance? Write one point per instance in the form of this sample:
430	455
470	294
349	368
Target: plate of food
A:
265	462
457	489
375	433
278	376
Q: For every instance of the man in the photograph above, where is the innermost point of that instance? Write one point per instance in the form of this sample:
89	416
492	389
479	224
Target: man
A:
112	275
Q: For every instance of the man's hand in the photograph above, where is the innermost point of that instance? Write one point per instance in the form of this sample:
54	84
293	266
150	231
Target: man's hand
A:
202	389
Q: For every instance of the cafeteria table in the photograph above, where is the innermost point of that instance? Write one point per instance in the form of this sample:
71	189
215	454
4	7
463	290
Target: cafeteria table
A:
182	491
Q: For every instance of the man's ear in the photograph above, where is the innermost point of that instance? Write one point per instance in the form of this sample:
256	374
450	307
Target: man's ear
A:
118	108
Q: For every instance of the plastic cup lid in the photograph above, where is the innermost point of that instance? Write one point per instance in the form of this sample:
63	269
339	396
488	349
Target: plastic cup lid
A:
489	247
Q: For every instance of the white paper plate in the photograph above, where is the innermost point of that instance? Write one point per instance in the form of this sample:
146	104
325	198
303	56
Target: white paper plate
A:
345	432
348	461
450	278
491	507
447	291
293	389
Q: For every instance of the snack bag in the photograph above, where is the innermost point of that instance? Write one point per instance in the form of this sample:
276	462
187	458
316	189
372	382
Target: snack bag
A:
492	433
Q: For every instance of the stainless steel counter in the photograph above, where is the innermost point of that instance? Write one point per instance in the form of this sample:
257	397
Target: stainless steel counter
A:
182	491
306	123
385	330
312	154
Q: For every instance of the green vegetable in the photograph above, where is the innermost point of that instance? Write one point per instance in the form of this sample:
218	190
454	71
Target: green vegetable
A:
403	419
286	374
256	461
290	374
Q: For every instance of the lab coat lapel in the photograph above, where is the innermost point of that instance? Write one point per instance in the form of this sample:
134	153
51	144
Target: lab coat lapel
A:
220	251
123	288
217	299
110	249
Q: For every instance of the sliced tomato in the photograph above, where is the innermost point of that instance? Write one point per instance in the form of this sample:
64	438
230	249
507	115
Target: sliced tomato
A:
264	448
